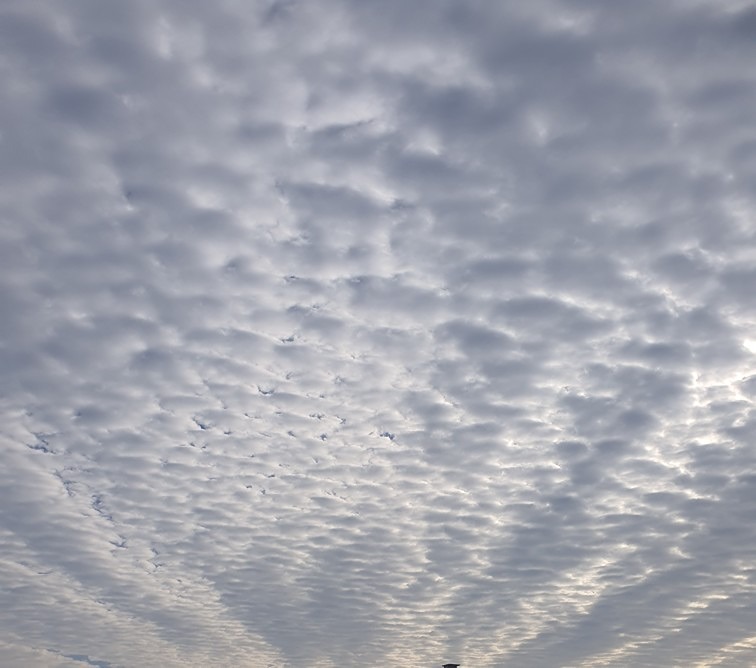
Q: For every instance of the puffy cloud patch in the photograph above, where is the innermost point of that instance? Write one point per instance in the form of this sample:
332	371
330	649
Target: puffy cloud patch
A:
377	331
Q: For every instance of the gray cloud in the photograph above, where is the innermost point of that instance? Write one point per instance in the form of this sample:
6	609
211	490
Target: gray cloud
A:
421	332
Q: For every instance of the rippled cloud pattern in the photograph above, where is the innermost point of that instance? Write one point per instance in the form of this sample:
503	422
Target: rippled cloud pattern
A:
349	332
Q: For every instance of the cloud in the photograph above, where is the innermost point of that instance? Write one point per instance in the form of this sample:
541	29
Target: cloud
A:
377	331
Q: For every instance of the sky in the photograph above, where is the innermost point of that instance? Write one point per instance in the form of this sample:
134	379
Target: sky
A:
356	333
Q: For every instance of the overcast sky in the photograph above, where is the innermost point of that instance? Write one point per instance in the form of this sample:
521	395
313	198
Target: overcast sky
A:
347	332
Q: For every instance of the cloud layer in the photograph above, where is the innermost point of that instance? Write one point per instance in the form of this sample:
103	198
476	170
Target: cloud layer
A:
342	332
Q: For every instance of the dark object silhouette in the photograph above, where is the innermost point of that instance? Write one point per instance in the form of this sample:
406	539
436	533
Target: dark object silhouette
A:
451	665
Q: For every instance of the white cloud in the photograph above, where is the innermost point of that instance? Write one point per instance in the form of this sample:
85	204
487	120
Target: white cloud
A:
418	331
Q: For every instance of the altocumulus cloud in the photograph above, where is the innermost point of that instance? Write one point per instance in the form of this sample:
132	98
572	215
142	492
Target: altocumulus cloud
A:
341	332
